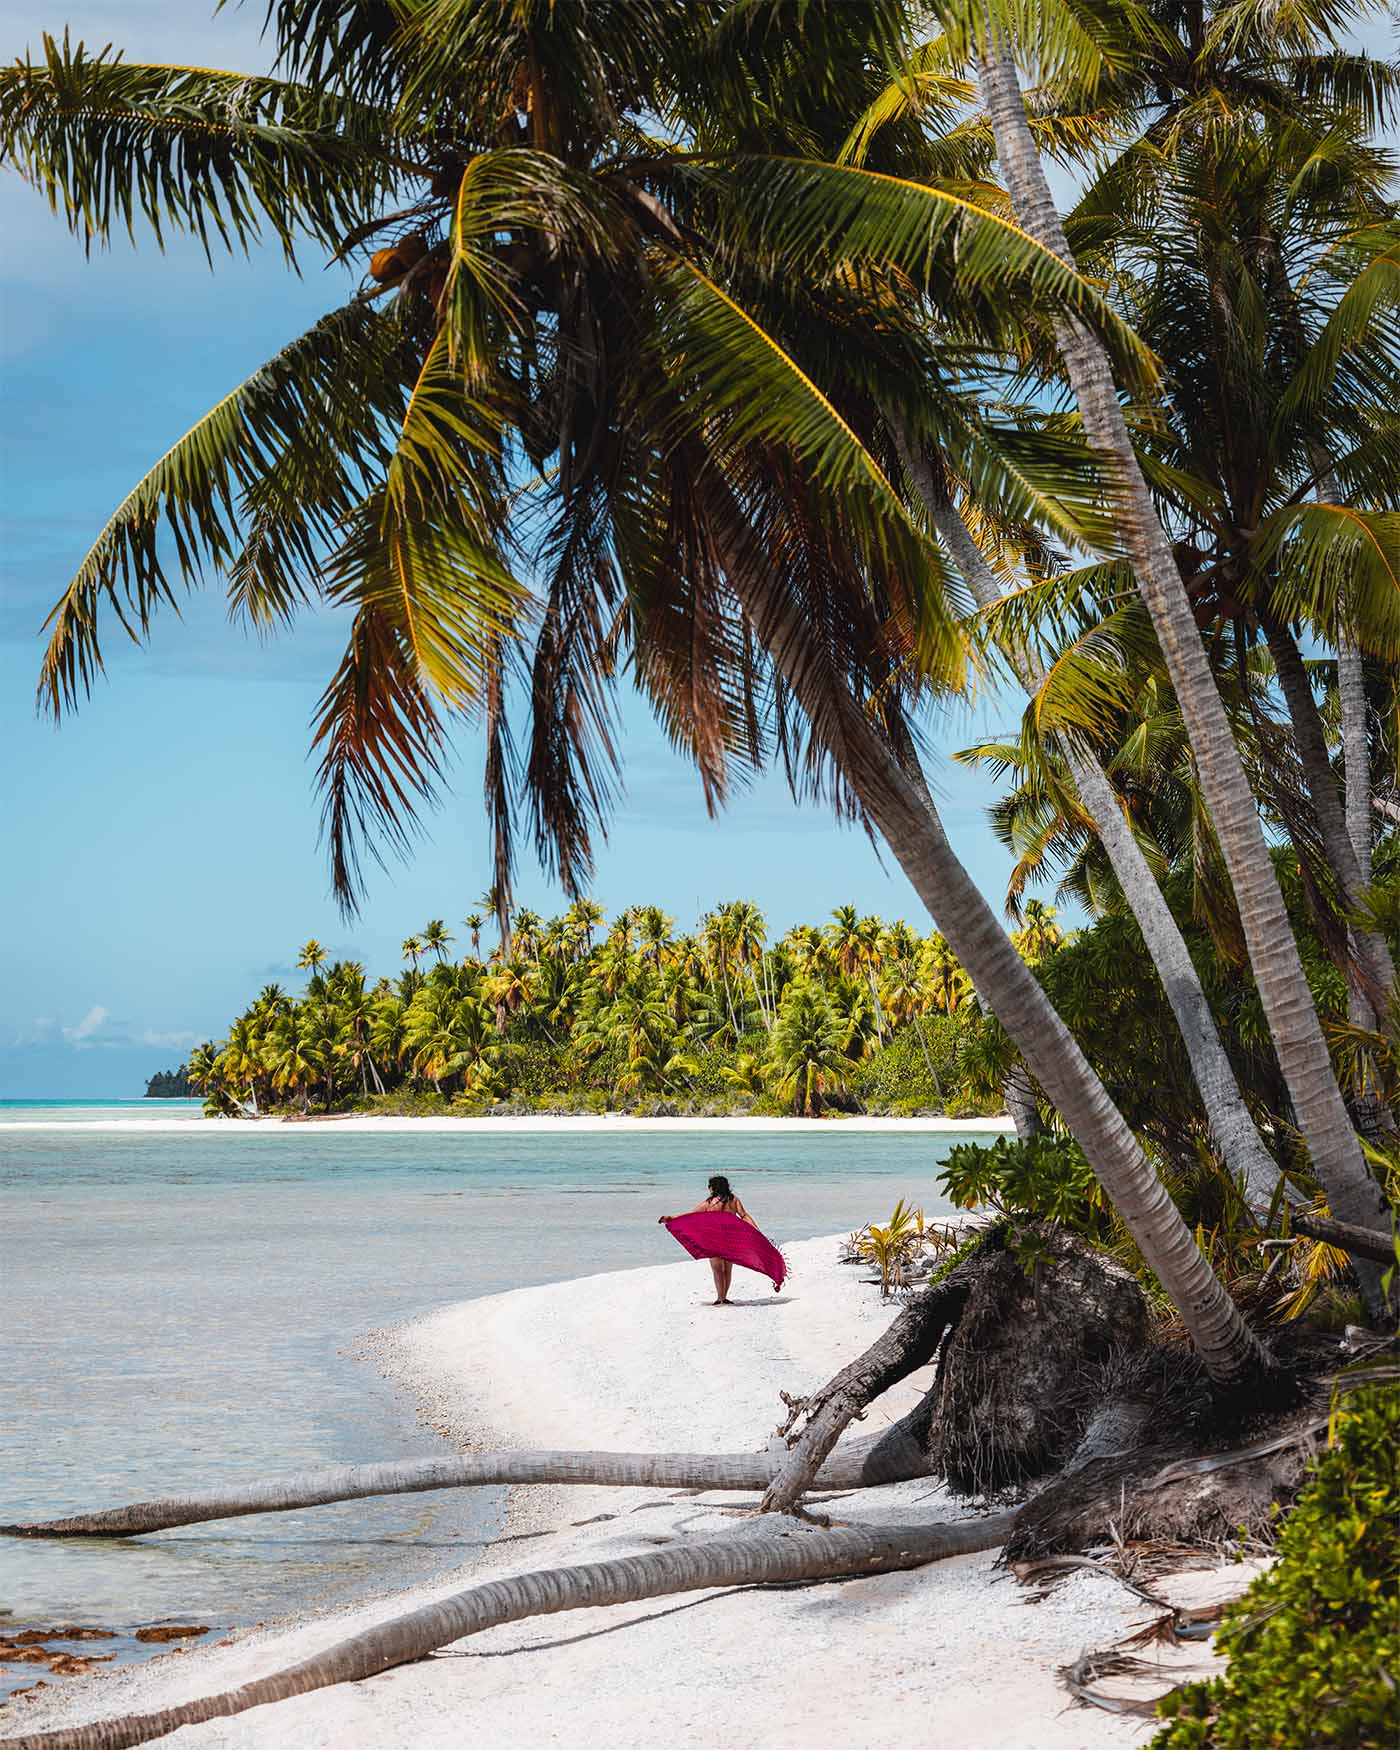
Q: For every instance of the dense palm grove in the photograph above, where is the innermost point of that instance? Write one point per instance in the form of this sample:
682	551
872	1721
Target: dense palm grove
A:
738	348
580	1014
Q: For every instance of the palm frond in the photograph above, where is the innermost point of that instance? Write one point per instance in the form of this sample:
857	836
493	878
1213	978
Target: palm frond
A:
289	450
215	154
1338	568
840	217
382	749
749	390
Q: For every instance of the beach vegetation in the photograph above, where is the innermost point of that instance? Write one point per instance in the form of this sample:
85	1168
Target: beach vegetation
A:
1314	1643
718	1019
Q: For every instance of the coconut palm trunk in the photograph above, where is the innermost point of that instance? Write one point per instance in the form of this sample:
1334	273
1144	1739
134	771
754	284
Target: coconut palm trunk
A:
1231	1126
1278	970
1373	963
780	1552
910	1342
1019	1095
907	819
894	1455
1356	750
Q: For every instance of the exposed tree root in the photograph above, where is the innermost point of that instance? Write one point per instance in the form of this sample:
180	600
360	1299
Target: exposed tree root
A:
1030	1363
1155	1492
1030	1318
778	1552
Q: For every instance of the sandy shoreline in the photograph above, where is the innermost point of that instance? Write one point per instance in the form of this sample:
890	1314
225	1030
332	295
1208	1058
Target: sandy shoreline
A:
619	1123
636	1360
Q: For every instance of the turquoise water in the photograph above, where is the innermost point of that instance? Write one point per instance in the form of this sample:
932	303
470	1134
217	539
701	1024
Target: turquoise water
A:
179	1301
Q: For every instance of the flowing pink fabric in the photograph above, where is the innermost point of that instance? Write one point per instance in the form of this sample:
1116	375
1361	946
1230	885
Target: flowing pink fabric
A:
713	1234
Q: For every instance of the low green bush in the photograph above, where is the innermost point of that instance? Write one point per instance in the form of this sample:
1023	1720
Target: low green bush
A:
1314	1644
1046	1177
897	1075
529	1068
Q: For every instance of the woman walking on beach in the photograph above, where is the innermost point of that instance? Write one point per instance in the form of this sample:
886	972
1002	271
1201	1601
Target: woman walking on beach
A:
711	1230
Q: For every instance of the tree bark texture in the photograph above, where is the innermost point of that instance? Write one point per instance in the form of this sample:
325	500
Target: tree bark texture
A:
1230	1123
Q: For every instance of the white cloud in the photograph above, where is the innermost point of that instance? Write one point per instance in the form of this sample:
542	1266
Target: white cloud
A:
91	1023
169	1041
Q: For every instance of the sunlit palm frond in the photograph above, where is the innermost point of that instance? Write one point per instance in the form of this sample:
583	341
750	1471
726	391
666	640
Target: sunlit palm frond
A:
927	86
216	154
1339	569
835	217
750	390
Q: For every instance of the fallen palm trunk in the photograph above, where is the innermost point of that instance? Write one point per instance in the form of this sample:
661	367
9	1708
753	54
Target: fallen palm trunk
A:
1020	1374
1361	1242
780	1552
890	1457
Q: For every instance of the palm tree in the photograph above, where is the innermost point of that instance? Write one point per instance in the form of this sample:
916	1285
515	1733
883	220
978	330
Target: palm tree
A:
748	1074
435	939
241	1060
648	480
847	940
293	1066
413	950
1297	1033
948	985
582	918
527	932
497	901
1039	934
655	930
807	1049
312	955
473	924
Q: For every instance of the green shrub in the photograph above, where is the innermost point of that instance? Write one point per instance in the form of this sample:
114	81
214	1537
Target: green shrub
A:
1314	1644
896	1075
529	1068
1047	1177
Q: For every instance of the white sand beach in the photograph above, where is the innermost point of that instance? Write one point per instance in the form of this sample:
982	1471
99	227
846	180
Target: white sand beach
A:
955	1654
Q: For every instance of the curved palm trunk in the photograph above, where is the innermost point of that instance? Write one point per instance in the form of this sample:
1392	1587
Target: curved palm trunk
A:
1356	749
909	823
781	1552
1231	1126
1278	971
1020	1100
890	1457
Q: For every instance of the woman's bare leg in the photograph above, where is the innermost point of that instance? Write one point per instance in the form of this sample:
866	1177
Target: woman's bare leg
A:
726	1276
721	1273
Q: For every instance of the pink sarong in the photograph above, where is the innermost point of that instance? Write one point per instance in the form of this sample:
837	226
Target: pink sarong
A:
714	1234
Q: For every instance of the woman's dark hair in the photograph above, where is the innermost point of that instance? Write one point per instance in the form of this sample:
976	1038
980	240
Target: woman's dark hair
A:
719	1187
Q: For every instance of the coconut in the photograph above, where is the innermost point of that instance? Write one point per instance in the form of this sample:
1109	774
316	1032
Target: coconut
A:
394	261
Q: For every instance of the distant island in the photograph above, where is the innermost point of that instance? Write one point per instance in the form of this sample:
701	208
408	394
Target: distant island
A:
170	1084
575	1015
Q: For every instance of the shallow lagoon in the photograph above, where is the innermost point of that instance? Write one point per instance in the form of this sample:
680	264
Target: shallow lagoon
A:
181	1302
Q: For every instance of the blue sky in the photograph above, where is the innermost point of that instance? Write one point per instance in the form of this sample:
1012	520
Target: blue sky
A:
162	857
